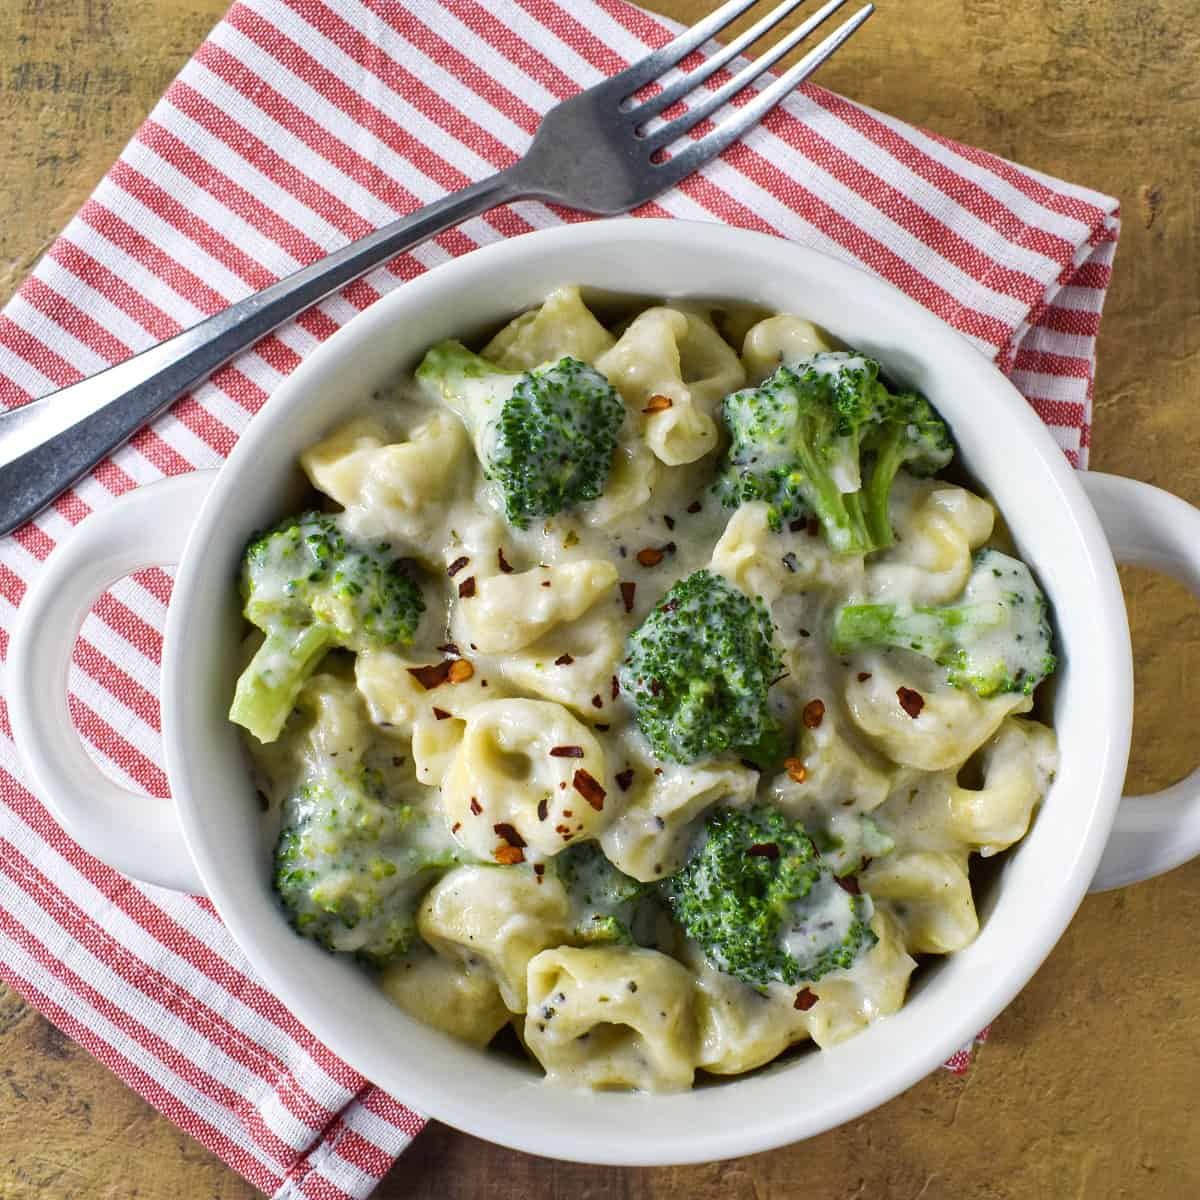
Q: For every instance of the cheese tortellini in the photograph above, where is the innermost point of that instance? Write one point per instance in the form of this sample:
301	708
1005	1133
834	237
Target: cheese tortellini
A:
503	751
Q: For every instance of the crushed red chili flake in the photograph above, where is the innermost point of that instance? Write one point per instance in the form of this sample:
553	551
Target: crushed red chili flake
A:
863	676
813	714
655	687
466	589
658	403
669	521
601	728
649	556
566	751
670	547
565	830
460	671
658	770
508	856
814	527
805	999
456	827
627	590
795	769
503	562
504	830
433	675
397	760
798	524
912	702
545	583
589	789
543	808
764	850
449	648
695	506
440	714
804	632
849	883
476	808
457	565
563	660
624	779
539	869
568	813
615	687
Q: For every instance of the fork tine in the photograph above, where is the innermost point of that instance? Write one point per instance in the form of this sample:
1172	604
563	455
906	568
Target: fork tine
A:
658	61
698	153
681	87
666	134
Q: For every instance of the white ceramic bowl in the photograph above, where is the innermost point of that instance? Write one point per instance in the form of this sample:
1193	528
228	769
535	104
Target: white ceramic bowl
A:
224	851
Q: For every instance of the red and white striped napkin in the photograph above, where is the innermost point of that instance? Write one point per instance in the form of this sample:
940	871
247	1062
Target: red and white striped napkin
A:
298	125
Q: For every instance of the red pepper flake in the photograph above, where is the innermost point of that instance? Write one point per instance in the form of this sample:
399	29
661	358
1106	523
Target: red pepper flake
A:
804	633
503	829
669	521
563	660
658	770
397	760
476	809
863	676
543	808
627	590
566	751
795	769
457	565
466	589
615	687
912	702
849	883
461	670
539	869
565	830
508	856
433	675
695	506
449	648
805	999
813	714
545	583
440	714
670	547
601	728
568	813
624	779
589	789
798	524
814	527
655	687
649	557
658	403
456	827
764	850
504	564
597	701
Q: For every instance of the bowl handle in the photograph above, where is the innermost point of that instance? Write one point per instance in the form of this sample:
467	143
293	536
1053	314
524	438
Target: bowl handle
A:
139	835
1147	527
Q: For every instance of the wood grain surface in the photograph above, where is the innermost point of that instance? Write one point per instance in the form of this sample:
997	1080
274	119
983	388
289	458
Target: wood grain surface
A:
1089	1084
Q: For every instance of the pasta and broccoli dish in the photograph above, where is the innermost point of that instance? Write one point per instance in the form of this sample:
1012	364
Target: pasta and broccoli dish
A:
642	686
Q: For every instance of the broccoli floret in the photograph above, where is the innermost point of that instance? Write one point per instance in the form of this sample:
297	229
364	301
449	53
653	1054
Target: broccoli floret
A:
997	638
351	865
698	671
761	906
545	437
309	588
604	900
825	436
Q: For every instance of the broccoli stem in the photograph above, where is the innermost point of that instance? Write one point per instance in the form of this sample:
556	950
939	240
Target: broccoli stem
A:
839	512
267	689
889	458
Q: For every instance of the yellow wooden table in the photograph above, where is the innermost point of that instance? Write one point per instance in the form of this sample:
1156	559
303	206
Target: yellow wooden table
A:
1089	1085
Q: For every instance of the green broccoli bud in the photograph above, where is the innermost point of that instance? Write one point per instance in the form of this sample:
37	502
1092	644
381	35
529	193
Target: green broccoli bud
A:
546	437
761	906
824	436
309	589
351	865
698	671
604	900
996	639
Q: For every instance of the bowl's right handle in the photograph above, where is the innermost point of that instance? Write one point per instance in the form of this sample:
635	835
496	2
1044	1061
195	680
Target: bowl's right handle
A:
1147	527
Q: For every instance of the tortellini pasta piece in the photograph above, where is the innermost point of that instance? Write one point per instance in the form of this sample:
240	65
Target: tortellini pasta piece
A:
495	919
673	368
929	894
849	1000
649	839
448	995
397	698
526	768
631	481
508	612
612	1017
563	325
785	338
938	526
385	487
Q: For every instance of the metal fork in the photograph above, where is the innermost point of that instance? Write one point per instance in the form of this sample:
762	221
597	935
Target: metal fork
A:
602	151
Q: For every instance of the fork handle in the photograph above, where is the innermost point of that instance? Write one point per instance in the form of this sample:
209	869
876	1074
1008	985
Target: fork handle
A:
46	445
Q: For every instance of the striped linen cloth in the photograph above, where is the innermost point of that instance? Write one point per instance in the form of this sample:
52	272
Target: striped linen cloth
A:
298	125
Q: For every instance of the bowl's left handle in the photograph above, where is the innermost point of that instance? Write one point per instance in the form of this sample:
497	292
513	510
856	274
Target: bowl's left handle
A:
136	834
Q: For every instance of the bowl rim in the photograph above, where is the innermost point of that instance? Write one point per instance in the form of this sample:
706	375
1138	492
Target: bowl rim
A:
424	1090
